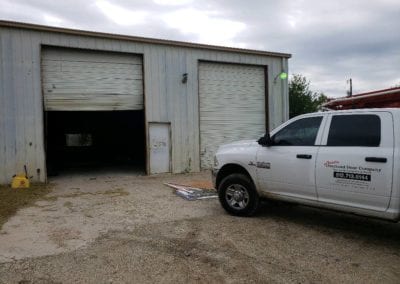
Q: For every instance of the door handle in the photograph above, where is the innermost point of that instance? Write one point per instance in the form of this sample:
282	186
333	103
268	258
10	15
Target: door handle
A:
303	156
376	159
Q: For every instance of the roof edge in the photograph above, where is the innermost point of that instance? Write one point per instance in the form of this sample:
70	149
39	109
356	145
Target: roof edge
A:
362	96
30	26
383	91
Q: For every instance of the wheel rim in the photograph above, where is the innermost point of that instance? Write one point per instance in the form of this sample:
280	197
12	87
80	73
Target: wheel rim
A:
237	196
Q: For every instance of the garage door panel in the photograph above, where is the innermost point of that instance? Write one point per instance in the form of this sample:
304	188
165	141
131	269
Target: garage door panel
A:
90	80
232	68
106	86
68	72
240	92
243	120
245	78
68	67
234	89
90	93
232	105
232	75
71	61
93	83
79	55
79	102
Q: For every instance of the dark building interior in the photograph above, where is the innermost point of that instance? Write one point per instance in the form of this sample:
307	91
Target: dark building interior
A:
94	140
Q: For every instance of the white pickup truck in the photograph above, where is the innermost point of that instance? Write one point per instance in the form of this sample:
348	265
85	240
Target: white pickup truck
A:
341	160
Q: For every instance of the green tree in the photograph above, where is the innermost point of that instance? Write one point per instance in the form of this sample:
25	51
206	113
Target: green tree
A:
301	98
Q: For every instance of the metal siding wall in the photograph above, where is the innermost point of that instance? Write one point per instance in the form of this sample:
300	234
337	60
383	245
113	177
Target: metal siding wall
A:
39	157
155	84
175	92
29	133
167	99
278	96
285	94
2	116
20	111
8	114
192	140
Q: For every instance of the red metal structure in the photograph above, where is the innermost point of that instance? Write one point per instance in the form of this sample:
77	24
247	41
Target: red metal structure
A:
376	99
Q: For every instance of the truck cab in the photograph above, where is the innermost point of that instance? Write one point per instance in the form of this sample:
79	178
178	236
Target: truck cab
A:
342	160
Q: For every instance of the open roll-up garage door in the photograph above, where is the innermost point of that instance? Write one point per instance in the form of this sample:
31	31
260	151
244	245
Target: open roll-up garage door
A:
81	80
94	110
232	105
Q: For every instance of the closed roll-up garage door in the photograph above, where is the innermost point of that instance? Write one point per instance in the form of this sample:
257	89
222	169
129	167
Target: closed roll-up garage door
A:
77	80
232	105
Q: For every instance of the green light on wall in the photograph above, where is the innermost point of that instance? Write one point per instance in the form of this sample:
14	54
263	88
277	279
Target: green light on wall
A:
283	75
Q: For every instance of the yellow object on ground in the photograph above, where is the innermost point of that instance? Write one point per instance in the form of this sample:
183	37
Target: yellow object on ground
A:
20	181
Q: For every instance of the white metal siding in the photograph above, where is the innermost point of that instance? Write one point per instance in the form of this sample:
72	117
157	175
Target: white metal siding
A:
88	80
232	105
167	98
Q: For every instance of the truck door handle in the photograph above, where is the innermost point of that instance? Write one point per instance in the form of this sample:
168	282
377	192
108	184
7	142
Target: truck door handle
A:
303	156
376	159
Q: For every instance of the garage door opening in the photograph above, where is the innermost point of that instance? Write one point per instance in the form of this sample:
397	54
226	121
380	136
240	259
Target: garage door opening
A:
95	140
94	110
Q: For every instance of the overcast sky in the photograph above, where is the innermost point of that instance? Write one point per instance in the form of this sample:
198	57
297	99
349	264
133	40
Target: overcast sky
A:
331	41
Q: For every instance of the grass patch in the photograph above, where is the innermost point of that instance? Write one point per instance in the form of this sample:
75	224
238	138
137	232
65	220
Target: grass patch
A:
13	199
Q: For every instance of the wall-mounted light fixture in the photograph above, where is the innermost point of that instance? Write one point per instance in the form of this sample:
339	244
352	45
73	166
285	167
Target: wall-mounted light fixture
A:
283	76
184	78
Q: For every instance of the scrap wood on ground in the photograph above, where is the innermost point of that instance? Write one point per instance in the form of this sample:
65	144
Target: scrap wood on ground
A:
13	199
195	190
201	184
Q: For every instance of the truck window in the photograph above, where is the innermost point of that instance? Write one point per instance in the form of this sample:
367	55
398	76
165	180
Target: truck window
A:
355	130
302	132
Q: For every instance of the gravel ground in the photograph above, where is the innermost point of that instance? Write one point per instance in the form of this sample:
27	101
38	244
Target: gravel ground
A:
119	228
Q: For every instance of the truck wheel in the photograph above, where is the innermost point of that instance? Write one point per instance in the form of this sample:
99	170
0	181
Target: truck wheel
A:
238	195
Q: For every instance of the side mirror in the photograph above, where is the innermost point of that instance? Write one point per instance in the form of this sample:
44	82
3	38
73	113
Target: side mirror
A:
265	141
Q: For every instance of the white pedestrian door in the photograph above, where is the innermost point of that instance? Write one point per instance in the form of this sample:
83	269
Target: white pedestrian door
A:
355	161
160	147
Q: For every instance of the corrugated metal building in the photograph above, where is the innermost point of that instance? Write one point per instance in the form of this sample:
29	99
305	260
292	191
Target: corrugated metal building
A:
70	95
374	99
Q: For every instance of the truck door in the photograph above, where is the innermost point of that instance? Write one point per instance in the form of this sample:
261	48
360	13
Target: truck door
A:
287	167
355	161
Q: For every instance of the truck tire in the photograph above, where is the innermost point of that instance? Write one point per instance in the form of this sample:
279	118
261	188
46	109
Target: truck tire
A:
238	195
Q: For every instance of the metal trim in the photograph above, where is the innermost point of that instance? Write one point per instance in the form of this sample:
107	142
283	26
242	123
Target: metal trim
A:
36	27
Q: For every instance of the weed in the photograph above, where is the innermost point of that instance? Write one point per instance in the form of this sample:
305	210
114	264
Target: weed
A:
11	200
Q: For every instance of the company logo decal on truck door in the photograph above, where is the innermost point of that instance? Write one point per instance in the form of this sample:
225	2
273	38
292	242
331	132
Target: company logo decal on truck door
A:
353	176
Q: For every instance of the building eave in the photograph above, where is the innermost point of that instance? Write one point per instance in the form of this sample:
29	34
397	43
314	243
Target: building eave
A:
43	28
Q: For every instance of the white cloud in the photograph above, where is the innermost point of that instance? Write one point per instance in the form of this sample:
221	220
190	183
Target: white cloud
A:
331	41
120	15
205	25
52	20
172	2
